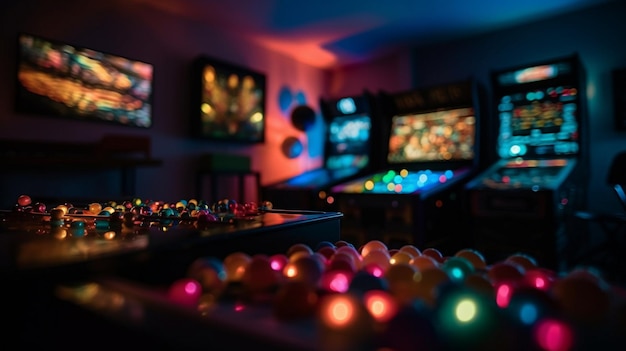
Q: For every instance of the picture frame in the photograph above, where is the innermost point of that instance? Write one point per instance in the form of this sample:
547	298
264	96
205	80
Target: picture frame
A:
227	102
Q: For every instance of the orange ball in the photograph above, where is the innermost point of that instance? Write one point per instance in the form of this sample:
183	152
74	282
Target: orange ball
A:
378	257
400	257
372	246
298	255
423	262
235	265
412	250
299	248
428	283
474	257
401	281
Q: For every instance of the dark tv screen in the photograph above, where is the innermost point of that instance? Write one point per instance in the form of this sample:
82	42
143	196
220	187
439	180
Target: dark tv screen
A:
438	136
62	80
228	102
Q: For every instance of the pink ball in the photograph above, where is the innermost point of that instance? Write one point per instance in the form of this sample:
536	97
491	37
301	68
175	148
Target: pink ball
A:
185	291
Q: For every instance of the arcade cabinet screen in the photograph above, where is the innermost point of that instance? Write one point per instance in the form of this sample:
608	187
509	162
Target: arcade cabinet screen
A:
62	80
228	102
539	123
447	135
348	143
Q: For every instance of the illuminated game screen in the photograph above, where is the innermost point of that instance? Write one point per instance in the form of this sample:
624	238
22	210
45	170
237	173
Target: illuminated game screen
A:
447	135
348	144
538	123
61	80
538	112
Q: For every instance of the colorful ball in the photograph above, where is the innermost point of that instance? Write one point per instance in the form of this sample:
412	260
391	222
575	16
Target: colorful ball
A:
474	257
372	246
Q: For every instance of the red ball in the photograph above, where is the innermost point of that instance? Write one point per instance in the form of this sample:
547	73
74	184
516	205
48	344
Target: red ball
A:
341	262
306	269
434	253
327	251
259	276
341	243
24	200
582	299
505	271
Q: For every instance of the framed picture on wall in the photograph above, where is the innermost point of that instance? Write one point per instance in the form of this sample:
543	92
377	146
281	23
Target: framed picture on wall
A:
227	102
56	79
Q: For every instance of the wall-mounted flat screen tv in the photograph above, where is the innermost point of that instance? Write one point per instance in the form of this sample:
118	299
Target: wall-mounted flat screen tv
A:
62	80
228	102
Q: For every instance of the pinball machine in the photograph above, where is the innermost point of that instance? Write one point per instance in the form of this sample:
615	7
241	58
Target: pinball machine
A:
522	201
431	150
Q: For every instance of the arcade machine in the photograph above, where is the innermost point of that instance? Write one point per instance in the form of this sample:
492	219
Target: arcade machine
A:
350	127
520	203
431	150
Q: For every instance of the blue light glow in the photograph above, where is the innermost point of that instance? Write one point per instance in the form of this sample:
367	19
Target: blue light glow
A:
528	314
346	106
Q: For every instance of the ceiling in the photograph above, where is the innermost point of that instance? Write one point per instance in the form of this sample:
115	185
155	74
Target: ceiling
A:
331	33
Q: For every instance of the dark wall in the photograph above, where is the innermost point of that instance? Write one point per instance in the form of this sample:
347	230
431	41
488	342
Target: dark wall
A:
169	41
